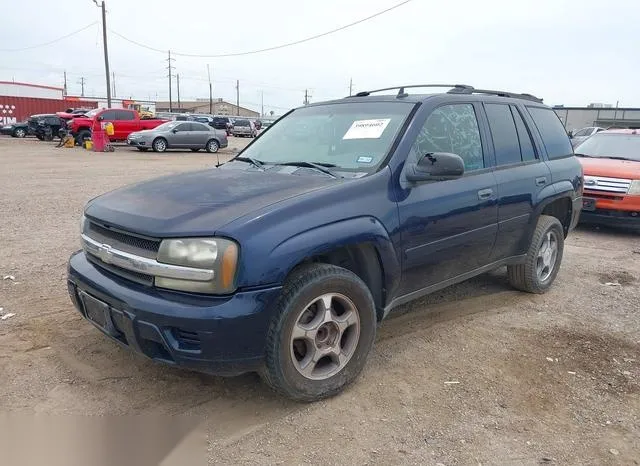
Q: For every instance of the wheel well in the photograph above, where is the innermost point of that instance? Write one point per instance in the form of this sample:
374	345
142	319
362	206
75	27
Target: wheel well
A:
560	209
363	260
160	137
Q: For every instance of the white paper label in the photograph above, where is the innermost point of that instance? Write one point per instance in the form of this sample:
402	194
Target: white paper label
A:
365	159
367	129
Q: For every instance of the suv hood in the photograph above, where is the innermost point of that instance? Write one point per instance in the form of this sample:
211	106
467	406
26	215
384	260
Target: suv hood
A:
611	168
197	203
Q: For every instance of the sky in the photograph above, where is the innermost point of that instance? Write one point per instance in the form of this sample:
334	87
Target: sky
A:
567	52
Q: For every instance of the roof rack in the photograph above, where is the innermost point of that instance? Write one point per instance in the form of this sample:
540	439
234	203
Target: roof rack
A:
454	89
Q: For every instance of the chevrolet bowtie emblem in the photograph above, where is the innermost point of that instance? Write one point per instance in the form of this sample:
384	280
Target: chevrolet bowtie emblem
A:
104	253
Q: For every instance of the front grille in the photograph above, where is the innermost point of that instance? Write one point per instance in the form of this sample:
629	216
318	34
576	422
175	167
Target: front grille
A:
137	277
133	244
602	183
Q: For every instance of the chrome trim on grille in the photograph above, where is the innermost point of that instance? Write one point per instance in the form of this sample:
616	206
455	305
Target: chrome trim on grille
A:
602	183
144	265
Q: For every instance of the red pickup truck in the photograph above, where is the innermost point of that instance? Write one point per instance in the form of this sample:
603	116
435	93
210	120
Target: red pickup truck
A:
124	122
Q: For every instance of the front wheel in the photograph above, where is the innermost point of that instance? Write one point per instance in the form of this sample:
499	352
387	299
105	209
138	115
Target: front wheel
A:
321	333
543	258
19	133
159	145
212	146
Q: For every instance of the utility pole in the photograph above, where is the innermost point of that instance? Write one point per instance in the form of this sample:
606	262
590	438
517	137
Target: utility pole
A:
350	86
64	89
262	103
113	75
178	83
237	97
82	81
210	92
307	96
170	67
106	52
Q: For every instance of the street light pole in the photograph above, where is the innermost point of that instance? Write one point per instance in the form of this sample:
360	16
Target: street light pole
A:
106	52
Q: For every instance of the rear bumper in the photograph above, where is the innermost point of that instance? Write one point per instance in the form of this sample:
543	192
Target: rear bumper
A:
216	335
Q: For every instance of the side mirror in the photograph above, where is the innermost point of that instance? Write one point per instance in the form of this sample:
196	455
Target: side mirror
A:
174	130
436	166
100	118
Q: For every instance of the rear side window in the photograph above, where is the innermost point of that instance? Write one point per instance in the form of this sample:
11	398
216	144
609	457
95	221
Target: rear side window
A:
124	115
453	129
527	150
554	136
505	136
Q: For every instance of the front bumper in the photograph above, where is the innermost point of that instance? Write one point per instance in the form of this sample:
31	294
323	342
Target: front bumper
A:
619	218
138	143
217	335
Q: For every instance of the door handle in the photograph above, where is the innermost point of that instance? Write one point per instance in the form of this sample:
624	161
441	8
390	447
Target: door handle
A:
485	194
541	181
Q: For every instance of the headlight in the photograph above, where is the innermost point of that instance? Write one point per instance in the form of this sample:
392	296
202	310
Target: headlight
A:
635	187
217	254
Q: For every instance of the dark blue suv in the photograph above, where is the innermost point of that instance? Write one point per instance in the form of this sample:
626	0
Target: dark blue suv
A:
284	260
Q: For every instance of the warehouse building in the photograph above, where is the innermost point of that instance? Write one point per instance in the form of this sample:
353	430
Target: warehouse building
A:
220	107
605	116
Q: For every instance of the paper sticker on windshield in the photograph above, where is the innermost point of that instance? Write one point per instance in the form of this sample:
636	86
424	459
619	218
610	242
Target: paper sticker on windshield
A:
365	159
367	129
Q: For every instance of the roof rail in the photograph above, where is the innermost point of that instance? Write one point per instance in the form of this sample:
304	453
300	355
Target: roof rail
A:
454	89
402	93
472	90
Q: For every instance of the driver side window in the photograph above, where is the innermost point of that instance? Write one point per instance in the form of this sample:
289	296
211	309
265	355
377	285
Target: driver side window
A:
454	129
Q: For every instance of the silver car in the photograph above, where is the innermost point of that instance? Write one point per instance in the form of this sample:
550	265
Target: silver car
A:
179	135
243	127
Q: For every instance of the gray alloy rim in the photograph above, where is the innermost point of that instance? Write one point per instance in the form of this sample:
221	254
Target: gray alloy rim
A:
160	145
547	256
20	133
325	336
213	146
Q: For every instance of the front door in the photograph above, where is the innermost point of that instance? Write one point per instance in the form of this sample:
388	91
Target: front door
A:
448	227
180	135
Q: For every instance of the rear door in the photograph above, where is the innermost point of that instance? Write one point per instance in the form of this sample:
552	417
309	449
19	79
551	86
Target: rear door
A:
448	227
521	175
199	134
127	124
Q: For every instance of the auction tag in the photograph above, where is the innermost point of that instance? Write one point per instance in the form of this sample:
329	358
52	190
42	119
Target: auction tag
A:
367	129
365	159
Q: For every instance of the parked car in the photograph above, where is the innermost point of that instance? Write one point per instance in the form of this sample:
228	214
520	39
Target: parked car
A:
284	260
224	123
124	121
179	135
45	126
258	124
611	163
16	130
582	134
244	128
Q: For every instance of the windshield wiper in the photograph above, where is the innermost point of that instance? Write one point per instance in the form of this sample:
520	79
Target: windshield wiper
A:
255	162
318	166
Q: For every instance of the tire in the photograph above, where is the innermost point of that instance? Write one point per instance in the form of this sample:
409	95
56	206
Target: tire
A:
159	145
40	137
142	149
82	136
194	149
212	146
304	298
540	268
19	133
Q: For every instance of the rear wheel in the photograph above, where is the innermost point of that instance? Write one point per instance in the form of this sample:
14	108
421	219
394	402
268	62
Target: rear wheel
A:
322	331
159	145
543	258
19	133
212	146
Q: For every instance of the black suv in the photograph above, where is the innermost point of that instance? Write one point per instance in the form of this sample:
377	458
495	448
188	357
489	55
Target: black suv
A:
46	126
284	259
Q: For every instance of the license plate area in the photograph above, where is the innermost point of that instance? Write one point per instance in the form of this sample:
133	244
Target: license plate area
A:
588	203
97	312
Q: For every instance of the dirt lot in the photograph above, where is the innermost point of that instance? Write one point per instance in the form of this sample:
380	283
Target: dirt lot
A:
476	374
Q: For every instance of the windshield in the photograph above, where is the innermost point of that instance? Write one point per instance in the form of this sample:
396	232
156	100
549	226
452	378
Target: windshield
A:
351	136
611	145
93	112
167	126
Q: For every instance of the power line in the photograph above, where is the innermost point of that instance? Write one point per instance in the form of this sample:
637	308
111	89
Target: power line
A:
276	47
51	41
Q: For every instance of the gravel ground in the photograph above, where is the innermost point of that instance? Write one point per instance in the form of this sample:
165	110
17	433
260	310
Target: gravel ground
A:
475	374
